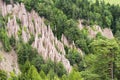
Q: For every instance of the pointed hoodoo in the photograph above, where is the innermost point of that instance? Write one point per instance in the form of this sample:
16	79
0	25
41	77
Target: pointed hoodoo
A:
45	42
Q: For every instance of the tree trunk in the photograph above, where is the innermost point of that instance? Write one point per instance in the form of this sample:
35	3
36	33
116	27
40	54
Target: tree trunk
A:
111	69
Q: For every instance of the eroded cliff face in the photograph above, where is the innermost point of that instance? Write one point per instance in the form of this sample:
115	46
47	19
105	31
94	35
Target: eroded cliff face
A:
72	46
8	61
92	32
45	42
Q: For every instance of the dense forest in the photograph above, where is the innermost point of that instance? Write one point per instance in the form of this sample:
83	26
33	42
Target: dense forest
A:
101	60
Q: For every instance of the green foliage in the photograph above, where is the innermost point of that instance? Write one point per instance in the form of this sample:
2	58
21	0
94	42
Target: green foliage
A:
63	19
25	52
13	76
117	63
89	75
33	74
19	33
71	31
59	69
98	64
62	16
18	21
46	67
29	4
25	67
76	60
55	17
3	75
51	75
99	36
12	41
7	1
31	39
75	75
5	40
73	56
1	20
42	74
64	77
3	35
27	56
112	2
29	72
37	62
83	45
74	34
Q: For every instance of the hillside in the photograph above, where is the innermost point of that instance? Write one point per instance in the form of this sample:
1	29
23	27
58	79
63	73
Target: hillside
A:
59	40
33	27
8	61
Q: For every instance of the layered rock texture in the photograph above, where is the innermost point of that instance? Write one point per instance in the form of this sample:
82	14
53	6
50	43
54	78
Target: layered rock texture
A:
20	22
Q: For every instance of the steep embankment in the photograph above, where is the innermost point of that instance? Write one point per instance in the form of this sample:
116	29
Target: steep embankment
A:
24	24
93	31
8	61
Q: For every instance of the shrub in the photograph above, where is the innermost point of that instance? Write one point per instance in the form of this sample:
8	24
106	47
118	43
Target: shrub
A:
5	40
3	75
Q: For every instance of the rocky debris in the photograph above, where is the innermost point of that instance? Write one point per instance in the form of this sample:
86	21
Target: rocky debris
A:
45	42
107	33
92	31
9	61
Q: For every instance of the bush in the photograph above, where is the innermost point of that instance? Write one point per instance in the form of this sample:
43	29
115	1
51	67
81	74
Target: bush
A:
46	67
59	69
73	56
31	39
37	62
12	41
5	40
3	75
25	52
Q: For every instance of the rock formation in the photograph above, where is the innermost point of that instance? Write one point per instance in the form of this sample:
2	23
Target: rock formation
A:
66	42
8	61
95	29
45	42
